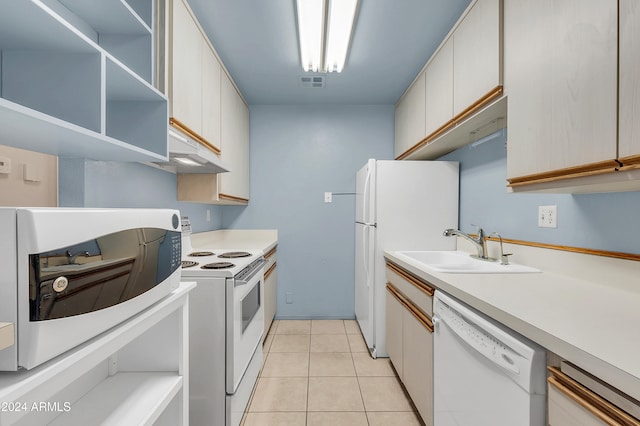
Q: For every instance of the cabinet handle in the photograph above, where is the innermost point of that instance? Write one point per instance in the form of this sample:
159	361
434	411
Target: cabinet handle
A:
414	310
422	286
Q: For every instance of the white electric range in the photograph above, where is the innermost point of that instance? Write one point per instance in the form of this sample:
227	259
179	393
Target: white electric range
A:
226	326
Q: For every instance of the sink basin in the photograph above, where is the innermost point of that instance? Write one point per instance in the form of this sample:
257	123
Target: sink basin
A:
455	262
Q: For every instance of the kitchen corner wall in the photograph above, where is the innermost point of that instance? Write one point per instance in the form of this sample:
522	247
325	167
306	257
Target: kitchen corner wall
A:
87	183
597	221
297	154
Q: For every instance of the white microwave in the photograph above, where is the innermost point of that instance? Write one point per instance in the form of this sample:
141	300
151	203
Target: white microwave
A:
67	275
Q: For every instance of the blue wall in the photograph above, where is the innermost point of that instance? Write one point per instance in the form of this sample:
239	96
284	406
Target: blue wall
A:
597	221
297	154
86	183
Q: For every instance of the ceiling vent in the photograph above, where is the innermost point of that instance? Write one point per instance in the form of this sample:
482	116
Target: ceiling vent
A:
312	81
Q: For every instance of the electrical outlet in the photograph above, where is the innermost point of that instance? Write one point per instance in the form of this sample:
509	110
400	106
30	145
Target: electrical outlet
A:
328	197
208	215
289	297
547	216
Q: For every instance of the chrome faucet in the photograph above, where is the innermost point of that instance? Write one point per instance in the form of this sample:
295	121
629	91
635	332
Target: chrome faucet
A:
479	242
71	258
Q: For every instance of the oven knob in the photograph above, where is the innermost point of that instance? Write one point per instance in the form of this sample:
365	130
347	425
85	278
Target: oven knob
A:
60	284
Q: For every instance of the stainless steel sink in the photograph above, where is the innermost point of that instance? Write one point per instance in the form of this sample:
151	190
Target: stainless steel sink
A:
455	262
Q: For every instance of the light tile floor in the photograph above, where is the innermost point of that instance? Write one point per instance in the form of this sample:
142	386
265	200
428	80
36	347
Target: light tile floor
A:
319	373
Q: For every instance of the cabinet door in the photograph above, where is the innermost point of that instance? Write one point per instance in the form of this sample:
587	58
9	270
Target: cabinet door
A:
629	95
394	332
439	89
186	68
564	411
560	78
210	95
413	111
401	118
270	295
234	185
418	365
476	55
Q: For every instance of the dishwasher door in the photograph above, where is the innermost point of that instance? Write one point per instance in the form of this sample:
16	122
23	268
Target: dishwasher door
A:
484	373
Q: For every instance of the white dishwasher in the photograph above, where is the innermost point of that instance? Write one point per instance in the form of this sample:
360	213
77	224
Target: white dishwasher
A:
484	373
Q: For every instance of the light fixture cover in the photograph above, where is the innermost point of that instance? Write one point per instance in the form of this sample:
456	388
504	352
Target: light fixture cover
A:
310	33
324	33
342	15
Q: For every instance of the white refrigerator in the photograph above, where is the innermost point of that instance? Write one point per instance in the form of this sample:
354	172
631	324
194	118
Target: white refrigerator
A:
400	205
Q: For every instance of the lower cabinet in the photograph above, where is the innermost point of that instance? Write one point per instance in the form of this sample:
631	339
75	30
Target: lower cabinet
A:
572	404
409	332
270	289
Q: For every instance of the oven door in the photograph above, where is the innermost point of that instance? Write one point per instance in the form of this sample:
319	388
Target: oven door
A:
245	324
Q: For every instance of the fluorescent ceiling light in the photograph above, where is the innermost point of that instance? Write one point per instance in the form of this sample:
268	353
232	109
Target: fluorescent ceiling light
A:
324	33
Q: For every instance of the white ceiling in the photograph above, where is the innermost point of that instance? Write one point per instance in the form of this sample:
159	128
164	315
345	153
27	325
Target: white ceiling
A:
256	40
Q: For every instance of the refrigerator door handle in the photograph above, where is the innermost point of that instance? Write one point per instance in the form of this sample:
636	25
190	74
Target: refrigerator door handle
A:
365	211
365	253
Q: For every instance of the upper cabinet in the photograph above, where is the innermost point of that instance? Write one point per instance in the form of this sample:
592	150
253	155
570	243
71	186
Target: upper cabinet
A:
208	109
477	59
629	98
462	99
561	83
76	80
194	79
410	118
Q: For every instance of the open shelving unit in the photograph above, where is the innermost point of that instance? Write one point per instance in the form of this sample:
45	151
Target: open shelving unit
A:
76	80
135	373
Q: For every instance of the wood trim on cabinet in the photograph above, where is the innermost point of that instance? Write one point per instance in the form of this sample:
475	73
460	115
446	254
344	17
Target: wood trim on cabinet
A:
408	304
412	279
604	253
185	129
233	198
632	160
270	252
592	169
270	270
493	94
596	405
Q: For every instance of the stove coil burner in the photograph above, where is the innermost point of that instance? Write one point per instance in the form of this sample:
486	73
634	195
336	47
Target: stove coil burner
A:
234	254
218	265
188	263
200	253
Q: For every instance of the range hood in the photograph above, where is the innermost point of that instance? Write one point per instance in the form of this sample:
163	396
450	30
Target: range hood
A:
189	156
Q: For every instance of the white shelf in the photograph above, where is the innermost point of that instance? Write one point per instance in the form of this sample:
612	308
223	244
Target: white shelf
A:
62	93
124	399
90	373
6	335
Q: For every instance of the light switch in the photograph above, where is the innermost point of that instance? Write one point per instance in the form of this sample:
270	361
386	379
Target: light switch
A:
5	165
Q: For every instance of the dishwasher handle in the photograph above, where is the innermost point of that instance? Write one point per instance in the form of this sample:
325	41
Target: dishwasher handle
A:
476	338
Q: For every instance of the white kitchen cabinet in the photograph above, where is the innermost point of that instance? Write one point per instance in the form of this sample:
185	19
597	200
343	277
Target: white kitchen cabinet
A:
629	91
71	86
463	88
412	116
561	81
477	57
439	88
571	404
270	293
135	373
409	332
417	338
234	186
194	75
394	331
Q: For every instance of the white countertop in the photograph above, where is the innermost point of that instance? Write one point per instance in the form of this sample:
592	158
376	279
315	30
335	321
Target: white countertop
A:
247	239
594	325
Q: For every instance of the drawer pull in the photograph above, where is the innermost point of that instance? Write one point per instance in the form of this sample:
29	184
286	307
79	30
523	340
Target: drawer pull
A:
420	285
